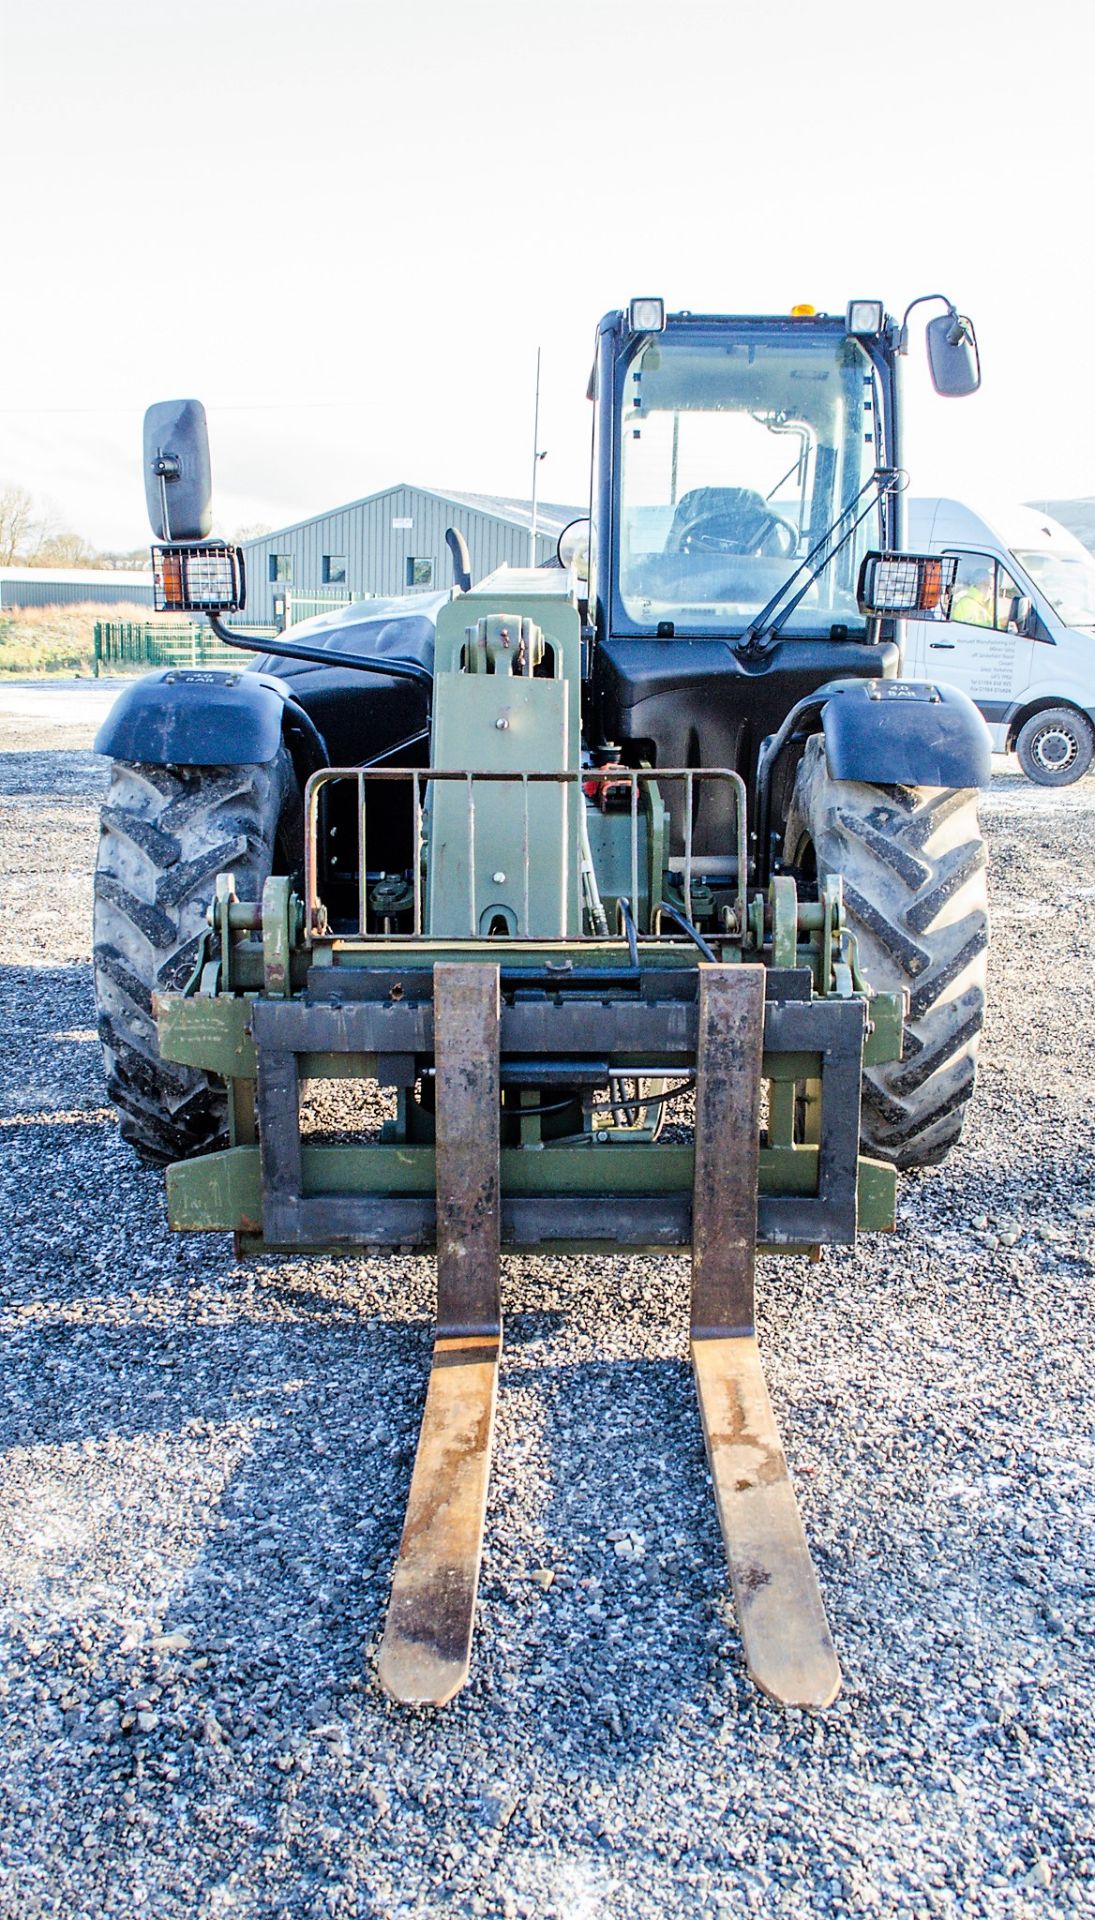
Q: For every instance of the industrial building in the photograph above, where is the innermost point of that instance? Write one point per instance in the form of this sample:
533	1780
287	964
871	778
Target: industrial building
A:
73	586
393	542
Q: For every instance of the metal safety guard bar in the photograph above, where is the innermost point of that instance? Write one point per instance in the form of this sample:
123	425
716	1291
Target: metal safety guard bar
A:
590	780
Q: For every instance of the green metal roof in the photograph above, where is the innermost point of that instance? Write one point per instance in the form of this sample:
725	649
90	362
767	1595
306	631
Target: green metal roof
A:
550	516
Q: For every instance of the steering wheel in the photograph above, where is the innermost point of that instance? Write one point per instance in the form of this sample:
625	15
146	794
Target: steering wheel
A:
760	533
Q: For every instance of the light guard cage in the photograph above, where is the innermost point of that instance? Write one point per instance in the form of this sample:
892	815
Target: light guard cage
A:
205	578
905	583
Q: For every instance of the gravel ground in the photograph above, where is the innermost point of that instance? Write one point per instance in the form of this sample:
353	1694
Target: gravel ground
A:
205	1463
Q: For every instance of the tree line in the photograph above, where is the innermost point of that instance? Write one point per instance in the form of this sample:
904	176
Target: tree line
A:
33	535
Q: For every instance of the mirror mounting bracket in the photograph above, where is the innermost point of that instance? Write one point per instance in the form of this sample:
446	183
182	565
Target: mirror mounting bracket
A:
922	300
952	347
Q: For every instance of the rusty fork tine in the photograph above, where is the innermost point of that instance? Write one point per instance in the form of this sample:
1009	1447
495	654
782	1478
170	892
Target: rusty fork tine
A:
426	1650
788	1648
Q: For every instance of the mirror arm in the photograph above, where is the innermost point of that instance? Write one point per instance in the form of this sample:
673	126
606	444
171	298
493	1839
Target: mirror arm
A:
166	466
320	656
922	299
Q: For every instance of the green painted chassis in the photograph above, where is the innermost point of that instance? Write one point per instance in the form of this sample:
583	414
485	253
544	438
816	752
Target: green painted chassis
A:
286	988
279	1000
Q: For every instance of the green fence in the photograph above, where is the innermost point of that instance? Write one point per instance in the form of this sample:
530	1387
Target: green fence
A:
303	606
125	644
122	645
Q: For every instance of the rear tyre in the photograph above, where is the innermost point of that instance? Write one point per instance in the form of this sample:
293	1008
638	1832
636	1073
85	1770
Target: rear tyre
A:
166	832
916	897
1055	747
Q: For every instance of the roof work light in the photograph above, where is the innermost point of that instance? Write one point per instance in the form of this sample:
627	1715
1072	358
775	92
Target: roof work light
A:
646	316
864	316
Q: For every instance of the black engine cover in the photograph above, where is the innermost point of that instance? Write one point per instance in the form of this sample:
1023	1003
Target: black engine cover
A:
697	703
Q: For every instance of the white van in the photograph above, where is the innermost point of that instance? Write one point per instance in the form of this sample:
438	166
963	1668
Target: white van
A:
1017	632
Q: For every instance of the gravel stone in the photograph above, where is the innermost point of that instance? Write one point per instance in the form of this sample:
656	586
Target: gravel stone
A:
204	1464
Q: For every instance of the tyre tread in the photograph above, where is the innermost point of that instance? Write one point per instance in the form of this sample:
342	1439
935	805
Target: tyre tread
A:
914	871
165	835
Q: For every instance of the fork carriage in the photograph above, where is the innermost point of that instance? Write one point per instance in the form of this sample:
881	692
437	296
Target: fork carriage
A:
597	1042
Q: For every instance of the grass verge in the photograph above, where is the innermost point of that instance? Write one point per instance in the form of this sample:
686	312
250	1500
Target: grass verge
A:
61	640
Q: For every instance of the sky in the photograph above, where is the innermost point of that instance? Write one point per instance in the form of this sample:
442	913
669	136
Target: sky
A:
347	227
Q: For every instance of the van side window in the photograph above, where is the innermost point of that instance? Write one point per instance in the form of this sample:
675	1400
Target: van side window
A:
984	594
1007	601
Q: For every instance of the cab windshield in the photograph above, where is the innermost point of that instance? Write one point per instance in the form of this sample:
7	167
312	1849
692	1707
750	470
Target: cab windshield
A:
736	457
1068	582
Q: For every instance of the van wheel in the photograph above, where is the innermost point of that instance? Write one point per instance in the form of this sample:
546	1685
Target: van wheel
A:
1055	747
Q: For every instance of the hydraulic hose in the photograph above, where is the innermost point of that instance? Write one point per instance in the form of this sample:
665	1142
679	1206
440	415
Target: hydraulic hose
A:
589	873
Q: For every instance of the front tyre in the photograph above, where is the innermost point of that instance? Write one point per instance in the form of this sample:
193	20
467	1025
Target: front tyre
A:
916	897
1055	747
166	833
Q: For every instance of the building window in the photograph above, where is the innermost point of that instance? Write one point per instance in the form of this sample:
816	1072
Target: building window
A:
334	569
281	569
419	572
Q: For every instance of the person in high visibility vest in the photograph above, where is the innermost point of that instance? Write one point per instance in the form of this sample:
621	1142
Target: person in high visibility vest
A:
974	600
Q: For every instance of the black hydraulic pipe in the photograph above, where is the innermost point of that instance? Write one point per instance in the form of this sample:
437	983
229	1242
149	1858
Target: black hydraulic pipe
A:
323	657
311	732
628	919
685	925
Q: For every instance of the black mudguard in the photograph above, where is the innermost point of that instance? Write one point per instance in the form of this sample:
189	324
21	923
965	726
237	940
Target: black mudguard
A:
196	717
903	733
214	717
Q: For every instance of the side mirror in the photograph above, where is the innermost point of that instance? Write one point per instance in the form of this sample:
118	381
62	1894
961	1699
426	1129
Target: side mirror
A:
1031	624
952	355
177	483
1023	613
572	548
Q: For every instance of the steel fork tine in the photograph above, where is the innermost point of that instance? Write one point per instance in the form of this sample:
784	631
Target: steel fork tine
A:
426	1650
781	1615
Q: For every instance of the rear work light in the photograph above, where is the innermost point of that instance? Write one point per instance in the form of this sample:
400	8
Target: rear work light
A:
199	579
904	583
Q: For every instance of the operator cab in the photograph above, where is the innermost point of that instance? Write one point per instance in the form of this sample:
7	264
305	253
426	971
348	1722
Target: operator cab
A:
742	470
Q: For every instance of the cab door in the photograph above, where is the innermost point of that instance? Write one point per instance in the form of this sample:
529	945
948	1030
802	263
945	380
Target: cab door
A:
975	641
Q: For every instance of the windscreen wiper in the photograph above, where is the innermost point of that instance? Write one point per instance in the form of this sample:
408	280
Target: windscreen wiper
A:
762	632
